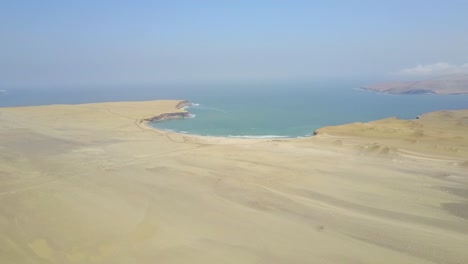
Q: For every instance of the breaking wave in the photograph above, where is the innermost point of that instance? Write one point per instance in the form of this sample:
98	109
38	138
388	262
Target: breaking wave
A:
258	137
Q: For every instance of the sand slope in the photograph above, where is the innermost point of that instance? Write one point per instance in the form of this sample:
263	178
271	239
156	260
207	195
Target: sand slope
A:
92	184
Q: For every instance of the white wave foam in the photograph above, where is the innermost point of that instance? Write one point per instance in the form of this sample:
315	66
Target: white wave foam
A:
192	116
306	135
190	105
258	137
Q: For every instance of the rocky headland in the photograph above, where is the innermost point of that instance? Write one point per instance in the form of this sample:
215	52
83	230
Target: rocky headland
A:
453	84
171	115
183	104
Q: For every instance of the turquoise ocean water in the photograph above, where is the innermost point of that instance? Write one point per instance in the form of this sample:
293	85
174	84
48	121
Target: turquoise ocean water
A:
298	111
254	110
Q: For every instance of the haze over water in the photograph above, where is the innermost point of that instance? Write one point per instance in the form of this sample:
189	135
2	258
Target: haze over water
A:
264	56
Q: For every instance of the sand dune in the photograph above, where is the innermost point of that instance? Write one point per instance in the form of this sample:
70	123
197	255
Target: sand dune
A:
92	184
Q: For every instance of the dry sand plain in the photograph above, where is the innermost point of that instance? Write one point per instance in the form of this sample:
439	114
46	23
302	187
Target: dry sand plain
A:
92	184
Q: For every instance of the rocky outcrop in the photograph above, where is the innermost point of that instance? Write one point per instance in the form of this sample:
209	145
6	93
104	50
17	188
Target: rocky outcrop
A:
174	115
183	104
167	116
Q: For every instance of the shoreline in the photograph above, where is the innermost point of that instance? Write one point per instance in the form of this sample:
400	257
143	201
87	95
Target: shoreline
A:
390	130
322	131
185	114
168	115
83	178
178	112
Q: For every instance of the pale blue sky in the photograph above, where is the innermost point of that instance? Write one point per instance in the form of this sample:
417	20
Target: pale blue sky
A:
76	43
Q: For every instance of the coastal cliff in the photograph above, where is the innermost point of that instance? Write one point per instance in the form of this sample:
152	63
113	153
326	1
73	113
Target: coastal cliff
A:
453	84
167	116
173	115
183	104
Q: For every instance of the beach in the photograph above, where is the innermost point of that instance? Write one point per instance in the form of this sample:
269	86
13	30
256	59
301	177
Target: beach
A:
93	183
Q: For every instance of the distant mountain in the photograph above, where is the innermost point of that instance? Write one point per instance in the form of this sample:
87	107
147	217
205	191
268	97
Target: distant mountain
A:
452	84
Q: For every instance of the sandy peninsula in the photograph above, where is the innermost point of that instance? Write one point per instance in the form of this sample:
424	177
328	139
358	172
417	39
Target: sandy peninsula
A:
92	183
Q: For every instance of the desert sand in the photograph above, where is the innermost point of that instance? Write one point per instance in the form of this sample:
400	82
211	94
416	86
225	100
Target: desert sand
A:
92	183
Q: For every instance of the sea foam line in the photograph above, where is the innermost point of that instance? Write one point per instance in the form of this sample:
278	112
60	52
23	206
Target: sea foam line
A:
190	105
258	137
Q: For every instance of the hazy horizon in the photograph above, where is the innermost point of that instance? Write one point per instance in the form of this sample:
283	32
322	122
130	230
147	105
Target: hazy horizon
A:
70	45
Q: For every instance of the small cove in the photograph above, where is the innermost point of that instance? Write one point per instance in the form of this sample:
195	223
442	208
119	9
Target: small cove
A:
298	111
